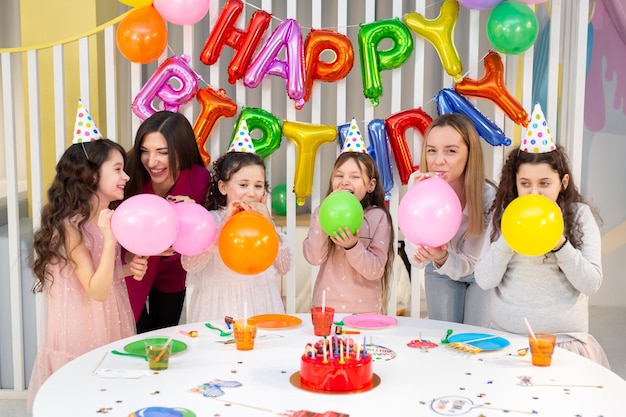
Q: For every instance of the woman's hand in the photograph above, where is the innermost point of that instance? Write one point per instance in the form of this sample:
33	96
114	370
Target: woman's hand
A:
345	238
180	199
421	176
426	254
138	267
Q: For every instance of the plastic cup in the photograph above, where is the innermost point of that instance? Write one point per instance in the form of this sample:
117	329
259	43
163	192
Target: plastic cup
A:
245	333
158	354
322	321
542	348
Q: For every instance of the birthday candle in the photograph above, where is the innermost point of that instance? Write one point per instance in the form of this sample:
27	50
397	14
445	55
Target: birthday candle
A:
358	352
325	360
341	361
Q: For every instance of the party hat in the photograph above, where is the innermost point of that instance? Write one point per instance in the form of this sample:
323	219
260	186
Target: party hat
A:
354	141
85	129
538	138
242	142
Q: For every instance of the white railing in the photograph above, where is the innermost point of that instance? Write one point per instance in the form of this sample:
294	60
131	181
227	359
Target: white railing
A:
411	86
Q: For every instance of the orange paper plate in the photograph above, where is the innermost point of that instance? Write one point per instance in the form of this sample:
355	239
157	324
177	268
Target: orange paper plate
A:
275	321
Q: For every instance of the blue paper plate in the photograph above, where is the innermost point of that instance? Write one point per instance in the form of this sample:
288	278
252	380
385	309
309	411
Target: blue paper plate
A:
489	344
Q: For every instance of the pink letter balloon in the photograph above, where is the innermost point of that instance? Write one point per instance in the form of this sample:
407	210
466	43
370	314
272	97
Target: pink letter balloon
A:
145	224
430	213
196	229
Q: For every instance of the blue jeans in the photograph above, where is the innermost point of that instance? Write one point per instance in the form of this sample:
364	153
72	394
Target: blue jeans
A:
461	301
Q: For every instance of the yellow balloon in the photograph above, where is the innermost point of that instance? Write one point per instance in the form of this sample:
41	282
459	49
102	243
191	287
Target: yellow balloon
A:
532	225
308	138
136	3
439	32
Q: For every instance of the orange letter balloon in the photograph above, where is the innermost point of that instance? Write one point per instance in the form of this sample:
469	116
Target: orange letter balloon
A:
214	104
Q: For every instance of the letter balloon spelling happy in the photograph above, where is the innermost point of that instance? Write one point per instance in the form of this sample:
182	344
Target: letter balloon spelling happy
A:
243	42
439	33
374	61
289	36
268	124
159	86
308	138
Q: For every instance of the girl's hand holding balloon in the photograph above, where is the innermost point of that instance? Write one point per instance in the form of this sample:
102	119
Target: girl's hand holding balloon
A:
345	238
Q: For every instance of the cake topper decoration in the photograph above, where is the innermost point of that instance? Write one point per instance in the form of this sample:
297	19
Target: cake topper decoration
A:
538	138
85	129
354	141
242	142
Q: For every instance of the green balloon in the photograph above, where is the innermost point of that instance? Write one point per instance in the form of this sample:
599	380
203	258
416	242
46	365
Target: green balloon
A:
279	199
340	209
512	27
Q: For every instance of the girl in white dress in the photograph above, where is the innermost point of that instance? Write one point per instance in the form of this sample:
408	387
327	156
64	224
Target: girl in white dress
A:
217	291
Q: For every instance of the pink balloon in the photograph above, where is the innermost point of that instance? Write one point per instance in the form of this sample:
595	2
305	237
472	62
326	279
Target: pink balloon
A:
287	35
196	229
145	224
430	213
182	12
160	86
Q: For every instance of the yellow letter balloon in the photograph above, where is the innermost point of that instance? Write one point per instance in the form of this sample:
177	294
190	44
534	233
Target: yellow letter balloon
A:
532	225
248	243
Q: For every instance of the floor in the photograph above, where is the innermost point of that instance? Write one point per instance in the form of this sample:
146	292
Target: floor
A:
606	324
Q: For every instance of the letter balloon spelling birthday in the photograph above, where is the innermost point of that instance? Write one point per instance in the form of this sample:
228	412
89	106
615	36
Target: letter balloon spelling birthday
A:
213	106
159	85
439	32
289	36
265	121
374	61
308	138
379	150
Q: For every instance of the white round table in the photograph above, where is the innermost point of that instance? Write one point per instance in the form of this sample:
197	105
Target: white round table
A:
437	381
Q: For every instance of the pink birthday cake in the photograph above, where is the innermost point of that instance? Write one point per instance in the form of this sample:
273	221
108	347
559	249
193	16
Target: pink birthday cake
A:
336	365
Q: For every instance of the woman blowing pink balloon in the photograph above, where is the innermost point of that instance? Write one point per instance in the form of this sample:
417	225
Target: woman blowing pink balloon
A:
452	151
164	161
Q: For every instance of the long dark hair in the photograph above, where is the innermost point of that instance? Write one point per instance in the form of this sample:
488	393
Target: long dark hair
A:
567	198
182	148
76	181
223	169
374	199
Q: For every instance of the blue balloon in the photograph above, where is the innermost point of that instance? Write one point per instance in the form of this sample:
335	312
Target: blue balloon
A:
379	150
449	101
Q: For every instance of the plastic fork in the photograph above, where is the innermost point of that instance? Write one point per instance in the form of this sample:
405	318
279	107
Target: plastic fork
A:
222	332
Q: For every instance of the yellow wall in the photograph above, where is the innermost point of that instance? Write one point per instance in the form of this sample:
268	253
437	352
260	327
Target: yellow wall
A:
44	22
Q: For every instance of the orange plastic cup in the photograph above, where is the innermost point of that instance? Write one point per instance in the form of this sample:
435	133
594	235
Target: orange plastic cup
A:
542	348
322	321
245	333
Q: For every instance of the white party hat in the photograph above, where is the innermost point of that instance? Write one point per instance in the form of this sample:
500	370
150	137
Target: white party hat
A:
242	142
538	138
354	141
85	129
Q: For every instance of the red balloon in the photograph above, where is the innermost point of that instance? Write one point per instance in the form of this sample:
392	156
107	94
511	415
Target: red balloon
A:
397	125
318	41
142	35
213	105
248	243
493	88
243	42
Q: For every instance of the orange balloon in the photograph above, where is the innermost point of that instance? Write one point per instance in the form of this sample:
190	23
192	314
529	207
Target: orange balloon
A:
248	243
493	88
142	35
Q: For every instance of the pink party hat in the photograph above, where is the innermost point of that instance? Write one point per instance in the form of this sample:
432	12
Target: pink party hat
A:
354	141
242	142
85	129
538	138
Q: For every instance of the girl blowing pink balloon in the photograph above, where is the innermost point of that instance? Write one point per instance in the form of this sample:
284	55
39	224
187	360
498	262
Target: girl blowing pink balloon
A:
77	263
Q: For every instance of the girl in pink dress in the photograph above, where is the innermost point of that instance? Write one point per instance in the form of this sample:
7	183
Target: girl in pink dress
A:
77	263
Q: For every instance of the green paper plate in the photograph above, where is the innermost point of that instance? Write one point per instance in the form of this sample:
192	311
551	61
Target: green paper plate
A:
139	347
